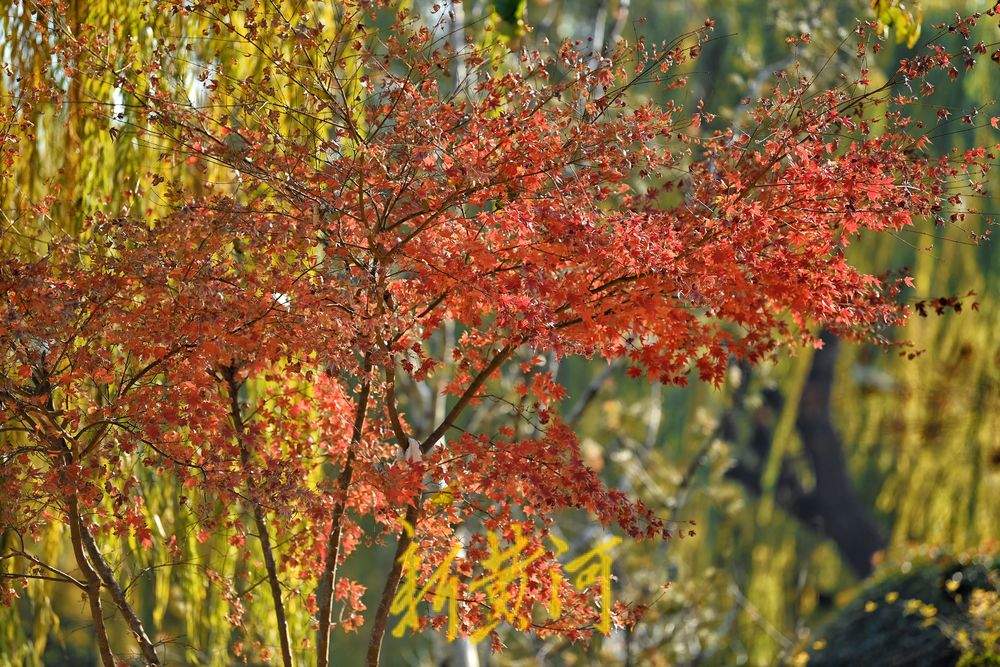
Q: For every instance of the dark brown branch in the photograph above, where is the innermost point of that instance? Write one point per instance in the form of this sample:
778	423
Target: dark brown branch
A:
263	534
467	396
60	575
91	562
392	409
43	577
93	589
381	620
324	591
146	646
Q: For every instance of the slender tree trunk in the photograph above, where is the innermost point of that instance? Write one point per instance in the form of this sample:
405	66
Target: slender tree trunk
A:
329	575
324	591
263	534
381	620
98	573
275	585
146	646
413	512
93	589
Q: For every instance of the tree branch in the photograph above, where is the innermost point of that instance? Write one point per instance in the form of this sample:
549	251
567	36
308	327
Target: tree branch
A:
263	534
467	396
324	591
413	512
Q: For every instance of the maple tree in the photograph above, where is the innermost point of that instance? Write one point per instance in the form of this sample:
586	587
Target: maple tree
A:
260	338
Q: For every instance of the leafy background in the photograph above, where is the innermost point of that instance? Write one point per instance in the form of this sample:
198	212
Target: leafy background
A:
765	577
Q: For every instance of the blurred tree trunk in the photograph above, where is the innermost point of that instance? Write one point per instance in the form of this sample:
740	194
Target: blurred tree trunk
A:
831	507
839	512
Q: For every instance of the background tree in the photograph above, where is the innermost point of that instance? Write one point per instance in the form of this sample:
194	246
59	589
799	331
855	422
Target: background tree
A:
261	327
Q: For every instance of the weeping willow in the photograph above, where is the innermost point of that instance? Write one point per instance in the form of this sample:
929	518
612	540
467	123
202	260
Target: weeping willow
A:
91	150
919	434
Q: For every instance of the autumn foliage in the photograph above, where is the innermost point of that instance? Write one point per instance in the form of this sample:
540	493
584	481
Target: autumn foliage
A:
385	227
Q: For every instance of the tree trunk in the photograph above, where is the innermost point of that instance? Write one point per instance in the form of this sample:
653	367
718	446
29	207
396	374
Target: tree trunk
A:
329	576
832	507
93	585
840	512
98	573
118	597
391	584
274	584
263	534
327	580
